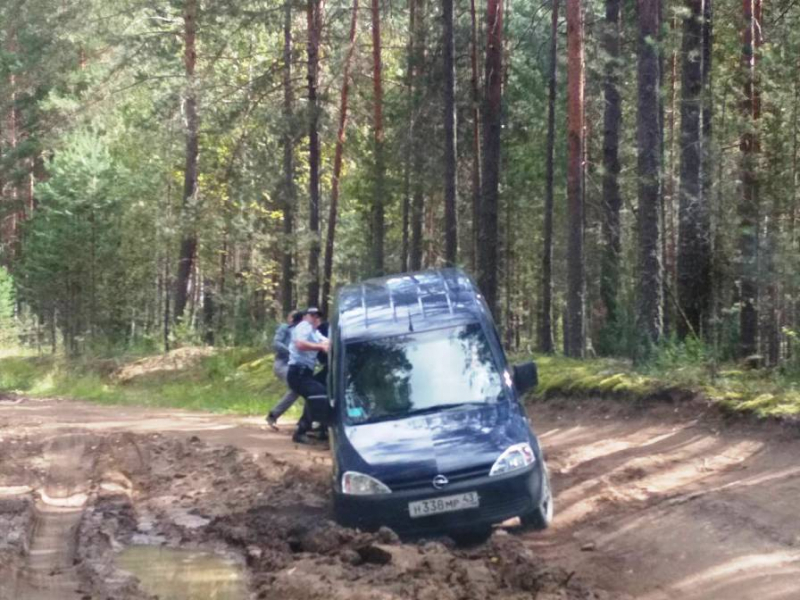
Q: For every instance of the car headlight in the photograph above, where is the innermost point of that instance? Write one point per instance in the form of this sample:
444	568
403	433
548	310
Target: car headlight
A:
516	457
358	484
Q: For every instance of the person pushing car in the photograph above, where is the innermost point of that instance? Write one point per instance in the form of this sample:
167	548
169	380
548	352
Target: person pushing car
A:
280	345
306	343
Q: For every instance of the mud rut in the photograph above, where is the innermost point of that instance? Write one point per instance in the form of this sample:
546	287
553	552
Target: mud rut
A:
652	502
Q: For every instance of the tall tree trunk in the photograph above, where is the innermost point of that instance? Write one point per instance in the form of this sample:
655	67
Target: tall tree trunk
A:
314	21
748	207
794	303
546	316
649	172
379	197
450	178
670	184
208	312
707	167
289	195
492	122
694	258
476	132
574	338
9	225
188	249
337	162
707	109
612	199
420	142
406	210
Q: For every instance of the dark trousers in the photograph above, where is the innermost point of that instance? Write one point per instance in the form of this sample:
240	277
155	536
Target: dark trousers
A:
301	380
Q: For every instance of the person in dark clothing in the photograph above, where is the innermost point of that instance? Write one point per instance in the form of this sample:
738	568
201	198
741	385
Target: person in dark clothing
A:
307	342
280	345
322	358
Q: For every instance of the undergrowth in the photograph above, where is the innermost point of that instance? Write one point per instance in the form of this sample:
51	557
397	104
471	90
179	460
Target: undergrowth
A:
762	392
232	381
240	380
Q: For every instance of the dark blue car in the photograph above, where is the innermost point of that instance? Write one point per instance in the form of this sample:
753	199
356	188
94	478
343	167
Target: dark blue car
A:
428	433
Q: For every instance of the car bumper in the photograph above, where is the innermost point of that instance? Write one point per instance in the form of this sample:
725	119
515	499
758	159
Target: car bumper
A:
501	498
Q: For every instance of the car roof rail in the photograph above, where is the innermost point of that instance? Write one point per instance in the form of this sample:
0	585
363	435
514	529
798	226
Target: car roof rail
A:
446	292
392	304
364	304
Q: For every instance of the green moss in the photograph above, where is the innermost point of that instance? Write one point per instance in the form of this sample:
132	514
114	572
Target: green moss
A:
764	393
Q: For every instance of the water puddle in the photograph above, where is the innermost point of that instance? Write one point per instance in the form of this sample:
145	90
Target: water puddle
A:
174	574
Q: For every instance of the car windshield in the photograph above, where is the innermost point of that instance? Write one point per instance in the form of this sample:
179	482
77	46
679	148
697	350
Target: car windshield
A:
434	370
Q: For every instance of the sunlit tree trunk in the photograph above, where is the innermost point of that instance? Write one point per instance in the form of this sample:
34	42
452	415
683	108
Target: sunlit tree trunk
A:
337	162
476	132
188	248
492	123
379	197
409	157
289	195
748	206
450	179
314	23
420	142
574	338
650	299
694	249
612	198
669	182
546	317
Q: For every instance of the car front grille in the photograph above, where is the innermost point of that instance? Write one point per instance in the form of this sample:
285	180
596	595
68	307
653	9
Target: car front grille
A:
419	483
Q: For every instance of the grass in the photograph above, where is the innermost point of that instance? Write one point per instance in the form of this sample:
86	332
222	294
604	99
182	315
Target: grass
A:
227	381
761	392
241	381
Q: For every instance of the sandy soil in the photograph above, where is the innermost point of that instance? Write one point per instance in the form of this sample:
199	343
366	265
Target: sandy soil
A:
652	502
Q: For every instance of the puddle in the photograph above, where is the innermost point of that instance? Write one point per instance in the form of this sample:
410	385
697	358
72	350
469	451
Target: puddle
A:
173	574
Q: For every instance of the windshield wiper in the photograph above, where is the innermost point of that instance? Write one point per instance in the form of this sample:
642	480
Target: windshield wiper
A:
380	419
441	407
416	413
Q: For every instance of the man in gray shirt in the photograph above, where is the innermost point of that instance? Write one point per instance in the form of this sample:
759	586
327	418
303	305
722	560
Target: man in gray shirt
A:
306	343
280	345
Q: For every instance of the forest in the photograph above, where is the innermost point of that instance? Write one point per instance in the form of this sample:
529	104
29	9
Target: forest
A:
618	176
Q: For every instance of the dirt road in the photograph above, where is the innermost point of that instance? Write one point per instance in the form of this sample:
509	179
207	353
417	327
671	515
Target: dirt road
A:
651	503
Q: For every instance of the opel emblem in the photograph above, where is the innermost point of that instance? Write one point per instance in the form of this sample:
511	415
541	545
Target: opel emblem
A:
440	481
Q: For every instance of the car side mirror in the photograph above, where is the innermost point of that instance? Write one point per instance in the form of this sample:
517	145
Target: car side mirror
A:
526	377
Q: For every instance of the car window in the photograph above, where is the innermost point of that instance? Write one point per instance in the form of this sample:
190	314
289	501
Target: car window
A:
398	376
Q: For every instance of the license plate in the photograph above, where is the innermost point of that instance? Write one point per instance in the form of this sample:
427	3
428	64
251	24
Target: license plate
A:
445	504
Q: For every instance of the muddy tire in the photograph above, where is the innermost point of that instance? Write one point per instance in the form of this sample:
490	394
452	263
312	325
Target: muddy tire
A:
541	516
471	537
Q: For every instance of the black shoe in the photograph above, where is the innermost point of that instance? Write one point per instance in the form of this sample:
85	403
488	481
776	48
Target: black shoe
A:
272	422
300	438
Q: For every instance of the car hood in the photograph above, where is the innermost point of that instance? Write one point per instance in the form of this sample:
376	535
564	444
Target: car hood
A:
444	442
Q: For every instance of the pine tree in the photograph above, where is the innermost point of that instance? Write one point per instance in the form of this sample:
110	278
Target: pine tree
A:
574	327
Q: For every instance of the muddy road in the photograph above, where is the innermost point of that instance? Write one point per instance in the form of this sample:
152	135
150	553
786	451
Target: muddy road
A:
657	502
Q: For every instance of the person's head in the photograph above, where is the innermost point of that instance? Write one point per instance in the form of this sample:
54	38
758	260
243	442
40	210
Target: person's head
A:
314	316
295	317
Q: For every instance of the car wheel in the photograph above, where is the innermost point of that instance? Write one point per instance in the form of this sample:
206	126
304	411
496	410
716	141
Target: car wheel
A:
471	537
541	516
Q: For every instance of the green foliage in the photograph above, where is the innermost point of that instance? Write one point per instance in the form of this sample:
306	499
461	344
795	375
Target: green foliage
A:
237	381
71	265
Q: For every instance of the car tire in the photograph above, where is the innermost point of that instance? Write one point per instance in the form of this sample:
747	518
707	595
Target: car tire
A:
541	516
471	537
